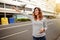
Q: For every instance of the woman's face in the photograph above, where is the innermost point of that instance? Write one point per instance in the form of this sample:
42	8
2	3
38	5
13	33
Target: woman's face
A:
36	11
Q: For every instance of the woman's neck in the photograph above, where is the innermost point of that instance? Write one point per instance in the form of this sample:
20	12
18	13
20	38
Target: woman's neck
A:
38	18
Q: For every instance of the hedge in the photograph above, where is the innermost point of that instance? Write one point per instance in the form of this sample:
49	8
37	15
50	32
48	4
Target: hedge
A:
23	19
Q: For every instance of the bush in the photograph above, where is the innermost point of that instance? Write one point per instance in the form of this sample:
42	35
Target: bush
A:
23	19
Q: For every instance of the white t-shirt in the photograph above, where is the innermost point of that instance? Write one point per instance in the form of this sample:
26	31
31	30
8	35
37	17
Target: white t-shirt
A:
36	25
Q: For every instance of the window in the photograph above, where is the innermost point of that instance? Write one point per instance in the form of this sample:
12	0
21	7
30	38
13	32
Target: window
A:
2	5
28	9
19	1
9	6
14	0
20	8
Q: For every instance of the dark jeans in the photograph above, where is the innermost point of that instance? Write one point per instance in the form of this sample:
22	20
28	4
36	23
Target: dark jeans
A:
39	38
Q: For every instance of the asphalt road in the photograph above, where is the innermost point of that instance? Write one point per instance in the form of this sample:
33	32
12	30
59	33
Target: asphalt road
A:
23	31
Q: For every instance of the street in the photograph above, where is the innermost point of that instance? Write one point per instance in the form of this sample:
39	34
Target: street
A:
23	31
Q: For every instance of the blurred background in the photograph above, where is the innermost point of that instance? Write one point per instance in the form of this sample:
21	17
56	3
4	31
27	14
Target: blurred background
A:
49	8
11	21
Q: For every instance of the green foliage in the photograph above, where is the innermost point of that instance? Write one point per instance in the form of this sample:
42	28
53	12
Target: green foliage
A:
23	19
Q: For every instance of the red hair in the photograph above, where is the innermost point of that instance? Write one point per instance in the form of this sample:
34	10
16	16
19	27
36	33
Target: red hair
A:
39	14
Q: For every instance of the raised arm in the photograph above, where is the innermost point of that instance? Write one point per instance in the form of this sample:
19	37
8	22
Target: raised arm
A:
24	13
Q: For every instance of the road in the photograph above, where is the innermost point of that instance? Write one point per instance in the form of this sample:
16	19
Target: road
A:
23	31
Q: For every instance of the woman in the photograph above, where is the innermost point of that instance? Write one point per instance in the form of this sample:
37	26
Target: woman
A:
38	23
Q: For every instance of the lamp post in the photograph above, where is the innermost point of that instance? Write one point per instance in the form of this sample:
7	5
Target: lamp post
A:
4	12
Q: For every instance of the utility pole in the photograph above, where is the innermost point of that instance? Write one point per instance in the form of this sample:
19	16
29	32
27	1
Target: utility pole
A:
4	12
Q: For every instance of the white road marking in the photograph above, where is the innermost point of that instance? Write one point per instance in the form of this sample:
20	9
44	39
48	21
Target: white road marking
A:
13	23
14	34
14	26
24	25
19	26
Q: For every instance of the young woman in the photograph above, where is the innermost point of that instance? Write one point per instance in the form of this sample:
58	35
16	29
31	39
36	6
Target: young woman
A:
38	23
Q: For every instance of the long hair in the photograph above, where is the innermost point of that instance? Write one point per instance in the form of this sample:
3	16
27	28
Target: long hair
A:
39	14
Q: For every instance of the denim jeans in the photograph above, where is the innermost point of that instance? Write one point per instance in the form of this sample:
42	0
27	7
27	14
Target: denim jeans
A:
39	38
